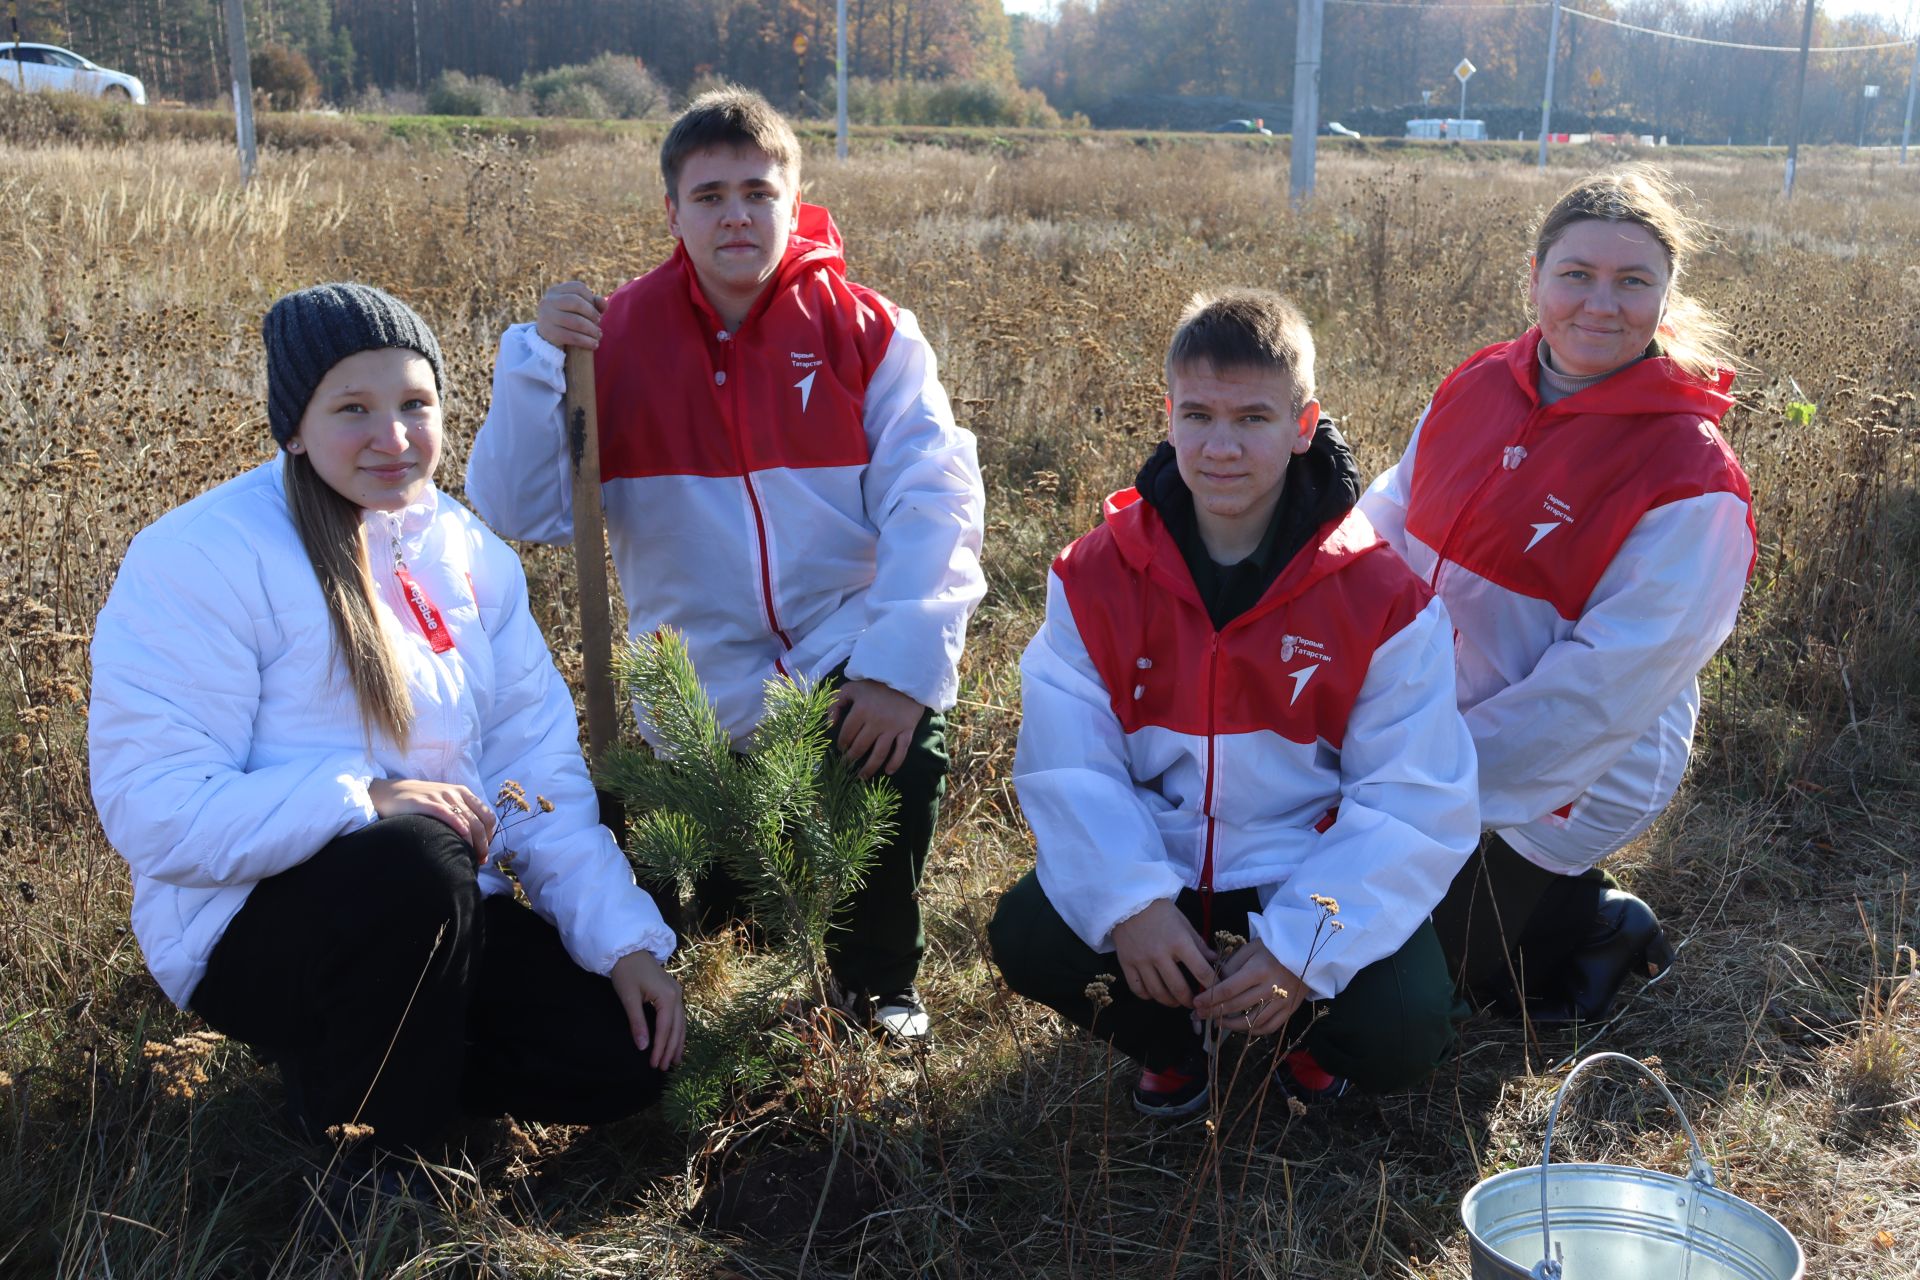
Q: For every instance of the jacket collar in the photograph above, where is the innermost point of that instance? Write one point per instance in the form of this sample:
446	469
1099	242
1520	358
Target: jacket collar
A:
1650	387
412	522
1326	475
813	242
408	526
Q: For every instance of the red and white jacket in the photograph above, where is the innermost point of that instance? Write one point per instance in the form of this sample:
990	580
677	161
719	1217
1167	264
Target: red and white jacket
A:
1309	747
788	496
1592	553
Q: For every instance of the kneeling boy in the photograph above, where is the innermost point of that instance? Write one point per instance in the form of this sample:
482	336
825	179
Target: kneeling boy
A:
1238	718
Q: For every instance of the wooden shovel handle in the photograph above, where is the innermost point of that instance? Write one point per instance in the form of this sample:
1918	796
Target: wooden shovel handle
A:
590	551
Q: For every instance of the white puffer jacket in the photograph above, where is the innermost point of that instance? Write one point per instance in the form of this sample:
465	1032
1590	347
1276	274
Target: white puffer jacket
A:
226	745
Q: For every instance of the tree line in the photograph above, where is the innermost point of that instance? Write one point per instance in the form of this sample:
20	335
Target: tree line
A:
1118	61
1103	58
783	47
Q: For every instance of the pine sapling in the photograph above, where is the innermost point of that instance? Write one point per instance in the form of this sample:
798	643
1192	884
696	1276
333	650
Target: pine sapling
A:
787	820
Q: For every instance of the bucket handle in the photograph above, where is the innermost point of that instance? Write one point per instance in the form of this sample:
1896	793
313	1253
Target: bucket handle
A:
1699	1171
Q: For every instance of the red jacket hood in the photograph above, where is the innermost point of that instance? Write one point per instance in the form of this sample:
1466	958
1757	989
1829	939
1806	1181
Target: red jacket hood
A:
1145	543
813	242
1654	386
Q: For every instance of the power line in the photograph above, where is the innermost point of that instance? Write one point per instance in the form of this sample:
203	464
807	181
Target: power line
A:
1404	4
1726	44
1629	26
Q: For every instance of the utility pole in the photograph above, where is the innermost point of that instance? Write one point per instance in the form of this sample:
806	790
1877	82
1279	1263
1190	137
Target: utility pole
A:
840	79
20	68
1799	98
1546	102
1306	97
1913	74
242	89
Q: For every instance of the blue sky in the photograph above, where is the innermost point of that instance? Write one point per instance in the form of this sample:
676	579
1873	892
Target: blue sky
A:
1903	12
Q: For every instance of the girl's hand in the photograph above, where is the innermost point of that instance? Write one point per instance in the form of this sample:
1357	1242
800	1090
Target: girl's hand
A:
639	980
450	802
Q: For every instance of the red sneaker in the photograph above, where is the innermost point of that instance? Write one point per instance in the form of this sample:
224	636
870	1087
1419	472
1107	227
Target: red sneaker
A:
1301	1076
1173	1091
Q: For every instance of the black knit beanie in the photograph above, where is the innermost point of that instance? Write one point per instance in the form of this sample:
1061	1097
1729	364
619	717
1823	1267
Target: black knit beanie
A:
309	332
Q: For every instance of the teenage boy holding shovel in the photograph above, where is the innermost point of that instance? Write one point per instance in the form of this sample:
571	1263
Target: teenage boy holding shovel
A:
783	483
1239	752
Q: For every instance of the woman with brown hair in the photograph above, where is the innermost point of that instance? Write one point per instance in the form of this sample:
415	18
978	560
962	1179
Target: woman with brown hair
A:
1569	495
306	683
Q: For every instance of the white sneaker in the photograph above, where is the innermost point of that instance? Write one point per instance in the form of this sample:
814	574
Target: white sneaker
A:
901	1017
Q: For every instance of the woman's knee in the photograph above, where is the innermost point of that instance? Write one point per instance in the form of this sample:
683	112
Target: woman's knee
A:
415	868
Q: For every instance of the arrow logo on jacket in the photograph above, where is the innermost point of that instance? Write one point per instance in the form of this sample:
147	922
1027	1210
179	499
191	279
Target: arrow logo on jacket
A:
1300	679
1540	531
805	386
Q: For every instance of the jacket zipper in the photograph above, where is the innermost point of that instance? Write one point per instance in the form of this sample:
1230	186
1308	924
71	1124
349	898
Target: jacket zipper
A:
1473	499
397	586
753	500
1206	802
1206	798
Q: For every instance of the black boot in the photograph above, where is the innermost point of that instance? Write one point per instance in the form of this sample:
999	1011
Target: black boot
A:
1624	936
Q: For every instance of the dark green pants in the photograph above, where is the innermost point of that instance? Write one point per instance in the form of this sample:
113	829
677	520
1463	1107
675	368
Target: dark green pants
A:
877	939
1504	918
1387	1029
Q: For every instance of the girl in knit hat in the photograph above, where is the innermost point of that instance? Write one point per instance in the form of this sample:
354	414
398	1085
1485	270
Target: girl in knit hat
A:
317	697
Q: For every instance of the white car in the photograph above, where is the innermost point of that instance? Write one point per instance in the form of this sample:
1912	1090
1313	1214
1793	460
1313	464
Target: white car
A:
49	67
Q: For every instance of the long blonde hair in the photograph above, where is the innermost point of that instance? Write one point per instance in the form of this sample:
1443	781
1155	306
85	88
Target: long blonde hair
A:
1690	335
333	534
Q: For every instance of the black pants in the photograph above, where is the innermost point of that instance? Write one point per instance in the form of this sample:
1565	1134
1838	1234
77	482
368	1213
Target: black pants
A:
390	991
1504	918
1387	1029
877	940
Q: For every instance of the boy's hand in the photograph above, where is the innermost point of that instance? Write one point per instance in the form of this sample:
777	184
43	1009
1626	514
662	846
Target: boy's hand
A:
1161	955
570	316
876	725
1246	998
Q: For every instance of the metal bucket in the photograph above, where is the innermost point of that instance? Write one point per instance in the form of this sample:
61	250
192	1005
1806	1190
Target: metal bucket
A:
1611	1222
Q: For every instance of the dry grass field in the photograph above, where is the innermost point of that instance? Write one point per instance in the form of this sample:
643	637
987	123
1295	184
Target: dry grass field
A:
1048	277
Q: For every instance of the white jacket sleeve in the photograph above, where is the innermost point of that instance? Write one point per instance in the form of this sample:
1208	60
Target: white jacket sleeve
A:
1664	605
574	874
1408	818
1384	504
924	494
518	475
176	684
1101	859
